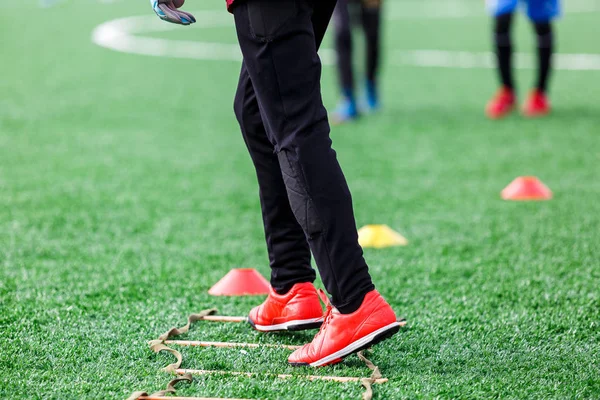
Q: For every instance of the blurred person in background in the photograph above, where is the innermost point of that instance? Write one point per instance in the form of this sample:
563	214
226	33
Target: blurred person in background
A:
345	14
541	13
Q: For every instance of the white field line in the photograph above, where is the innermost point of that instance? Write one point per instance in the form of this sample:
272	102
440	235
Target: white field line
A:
122	35
125	35
472	60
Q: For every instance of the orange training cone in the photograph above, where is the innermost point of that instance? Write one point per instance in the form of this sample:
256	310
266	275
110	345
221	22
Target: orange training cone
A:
526	188
240	282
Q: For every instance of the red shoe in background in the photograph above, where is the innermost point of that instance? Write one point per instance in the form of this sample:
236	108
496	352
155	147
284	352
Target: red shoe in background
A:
296	310
537	104
344	334
501	104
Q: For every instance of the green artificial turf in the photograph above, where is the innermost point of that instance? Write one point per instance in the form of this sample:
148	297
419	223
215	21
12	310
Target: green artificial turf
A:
126	192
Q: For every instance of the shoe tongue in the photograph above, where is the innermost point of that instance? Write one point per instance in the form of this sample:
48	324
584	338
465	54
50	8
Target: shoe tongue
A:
324	297
335	311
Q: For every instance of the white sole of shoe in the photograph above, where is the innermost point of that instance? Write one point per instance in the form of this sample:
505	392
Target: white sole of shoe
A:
371	339
296	325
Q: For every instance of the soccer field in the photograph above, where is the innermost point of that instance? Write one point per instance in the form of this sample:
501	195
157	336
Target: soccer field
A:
126	192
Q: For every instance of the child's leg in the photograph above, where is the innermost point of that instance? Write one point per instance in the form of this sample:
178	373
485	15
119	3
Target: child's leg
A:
504	100
504	50
541	13
502	11
545	47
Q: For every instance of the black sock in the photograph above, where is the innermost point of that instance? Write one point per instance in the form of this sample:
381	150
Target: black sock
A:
284	288
545	45
281	290
503	44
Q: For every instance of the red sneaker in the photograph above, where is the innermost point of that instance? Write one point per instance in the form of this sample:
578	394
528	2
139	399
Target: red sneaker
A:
537	104
501	104
296	310
344	334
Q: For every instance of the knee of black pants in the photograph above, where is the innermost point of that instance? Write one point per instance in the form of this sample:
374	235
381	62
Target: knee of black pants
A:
542	28
239	101
543	31
503	23
238	106
372	35
502	30
246	108
300	200
343	31
343	36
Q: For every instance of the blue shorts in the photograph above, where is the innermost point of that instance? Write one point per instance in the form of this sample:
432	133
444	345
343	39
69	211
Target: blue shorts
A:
537	10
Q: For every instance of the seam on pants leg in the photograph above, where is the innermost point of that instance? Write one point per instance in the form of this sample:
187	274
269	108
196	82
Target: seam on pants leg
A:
333	274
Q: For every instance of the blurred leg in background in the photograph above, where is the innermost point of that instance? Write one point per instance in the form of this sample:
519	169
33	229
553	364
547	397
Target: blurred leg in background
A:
504	100
347	108
347	13
504	49
371	22
541	13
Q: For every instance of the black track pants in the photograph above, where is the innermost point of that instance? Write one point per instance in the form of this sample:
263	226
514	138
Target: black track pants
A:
306	203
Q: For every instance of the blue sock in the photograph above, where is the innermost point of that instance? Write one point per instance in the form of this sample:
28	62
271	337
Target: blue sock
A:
372	98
